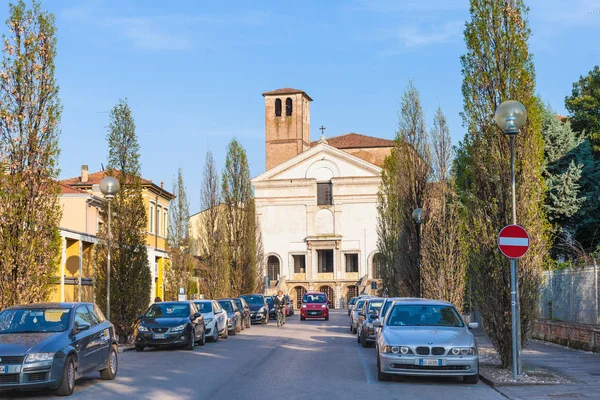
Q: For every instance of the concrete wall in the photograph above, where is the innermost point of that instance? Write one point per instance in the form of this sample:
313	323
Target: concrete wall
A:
577	336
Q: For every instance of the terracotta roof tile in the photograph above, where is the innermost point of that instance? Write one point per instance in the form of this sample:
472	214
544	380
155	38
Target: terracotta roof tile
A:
286	91
93	179
66	189
356	141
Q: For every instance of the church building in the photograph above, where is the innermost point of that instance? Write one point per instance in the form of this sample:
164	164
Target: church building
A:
317	204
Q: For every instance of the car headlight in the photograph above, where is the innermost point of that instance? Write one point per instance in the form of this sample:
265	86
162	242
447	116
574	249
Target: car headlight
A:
208	320
35	357
178	328
262	310
142	328
404	350
303	305
323	305
463	351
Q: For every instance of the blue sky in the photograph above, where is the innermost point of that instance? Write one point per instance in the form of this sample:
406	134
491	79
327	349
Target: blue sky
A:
194	71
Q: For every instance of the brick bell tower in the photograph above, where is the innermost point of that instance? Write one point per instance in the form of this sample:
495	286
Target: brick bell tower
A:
287	124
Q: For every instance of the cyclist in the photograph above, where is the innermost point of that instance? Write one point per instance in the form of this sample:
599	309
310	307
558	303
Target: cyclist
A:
279	302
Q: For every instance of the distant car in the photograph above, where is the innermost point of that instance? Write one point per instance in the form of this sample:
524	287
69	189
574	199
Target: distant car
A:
351	304
245	311
426	337
289	309
365	333
215	319
170	323
259	310
50	345
354	314
314	305
271	305
234	318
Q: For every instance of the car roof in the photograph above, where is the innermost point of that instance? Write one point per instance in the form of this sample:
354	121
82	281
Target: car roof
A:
175	302
227	298
420	301
314	293
252	294
47	305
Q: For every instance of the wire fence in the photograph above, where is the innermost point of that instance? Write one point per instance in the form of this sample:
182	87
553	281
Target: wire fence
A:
571	295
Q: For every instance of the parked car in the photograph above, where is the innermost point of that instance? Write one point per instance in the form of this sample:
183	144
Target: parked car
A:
50	345
215	319
244	311
259	310
426	337
289	309
354	314
170	323
234	318
314	305
387	303
271	305
351	304
365	333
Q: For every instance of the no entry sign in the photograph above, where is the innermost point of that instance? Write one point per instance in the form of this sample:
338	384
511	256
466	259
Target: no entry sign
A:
513	241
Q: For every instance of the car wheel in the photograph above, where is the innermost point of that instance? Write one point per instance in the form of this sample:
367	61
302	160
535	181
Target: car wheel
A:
67	382
110	372
192	343
327	318
202	341
471	379
358	337
363	341
215	336
238	326
139	348
351	329
225	333
302	318
382	376
248	323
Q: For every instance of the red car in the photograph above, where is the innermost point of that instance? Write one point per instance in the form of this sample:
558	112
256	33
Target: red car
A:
314	305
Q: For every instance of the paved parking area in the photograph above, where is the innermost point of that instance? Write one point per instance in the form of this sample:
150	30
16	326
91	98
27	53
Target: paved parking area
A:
303	360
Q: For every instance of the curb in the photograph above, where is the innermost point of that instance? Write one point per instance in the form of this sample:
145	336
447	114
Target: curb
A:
124	348
493	384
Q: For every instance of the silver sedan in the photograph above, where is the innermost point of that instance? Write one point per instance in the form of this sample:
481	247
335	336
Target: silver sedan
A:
426	337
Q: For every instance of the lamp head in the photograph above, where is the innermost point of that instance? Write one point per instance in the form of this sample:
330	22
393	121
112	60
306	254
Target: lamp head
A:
511	116
109	186
417	215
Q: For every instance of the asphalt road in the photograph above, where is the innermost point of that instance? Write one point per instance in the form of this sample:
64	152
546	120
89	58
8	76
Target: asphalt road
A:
302	360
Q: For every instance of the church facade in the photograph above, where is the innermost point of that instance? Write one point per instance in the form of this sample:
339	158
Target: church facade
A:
316	204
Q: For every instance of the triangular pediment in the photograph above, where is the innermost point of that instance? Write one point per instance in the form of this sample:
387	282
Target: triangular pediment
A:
322	162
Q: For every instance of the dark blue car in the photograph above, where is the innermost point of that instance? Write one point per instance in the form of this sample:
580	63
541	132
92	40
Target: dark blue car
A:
50	345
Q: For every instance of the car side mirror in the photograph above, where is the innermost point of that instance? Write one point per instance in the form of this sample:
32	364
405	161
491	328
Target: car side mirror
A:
373	316
140	316
196	315
78	327
473	325
360	314
377	324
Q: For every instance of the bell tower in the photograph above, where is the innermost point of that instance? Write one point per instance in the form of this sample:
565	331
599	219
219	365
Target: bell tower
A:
287	124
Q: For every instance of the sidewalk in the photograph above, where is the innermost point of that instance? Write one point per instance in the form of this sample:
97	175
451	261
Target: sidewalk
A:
582	368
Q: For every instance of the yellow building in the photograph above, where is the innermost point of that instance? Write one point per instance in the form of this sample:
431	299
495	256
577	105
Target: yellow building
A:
82	194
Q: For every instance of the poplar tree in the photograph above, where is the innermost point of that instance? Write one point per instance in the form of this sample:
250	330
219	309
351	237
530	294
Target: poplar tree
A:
181	267
30	110
240	220
131	280
211	234
498	67
404	188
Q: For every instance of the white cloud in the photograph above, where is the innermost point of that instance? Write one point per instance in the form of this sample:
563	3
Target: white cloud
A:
149	33
418	36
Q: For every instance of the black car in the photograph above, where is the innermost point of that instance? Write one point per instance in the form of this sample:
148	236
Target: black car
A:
245	311
259	310
234	317
50	345
272	311
170	323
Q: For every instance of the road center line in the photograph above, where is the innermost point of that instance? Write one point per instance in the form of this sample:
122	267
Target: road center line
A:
365	364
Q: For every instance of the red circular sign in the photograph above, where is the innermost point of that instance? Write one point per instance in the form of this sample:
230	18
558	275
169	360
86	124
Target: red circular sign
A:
513	241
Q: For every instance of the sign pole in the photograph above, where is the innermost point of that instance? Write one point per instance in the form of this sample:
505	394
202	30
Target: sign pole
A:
513	295
514	270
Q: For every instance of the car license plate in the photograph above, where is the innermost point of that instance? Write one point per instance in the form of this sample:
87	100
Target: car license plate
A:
159	336
430	363
3	369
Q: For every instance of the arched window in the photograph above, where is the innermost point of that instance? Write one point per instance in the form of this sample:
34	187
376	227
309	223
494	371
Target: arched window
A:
273	268
288	107
278	107
377	263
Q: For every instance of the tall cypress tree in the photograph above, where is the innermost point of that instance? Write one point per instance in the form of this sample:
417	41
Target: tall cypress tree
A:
29	116
131	280
498	67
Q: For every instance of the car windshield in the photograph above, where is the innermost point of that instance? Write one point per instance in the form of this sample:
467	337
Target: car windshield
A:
352	301
238	303
374	306
204	306
254	300
424	315
226	304
269	301
385	307
24	320
168	310
314	298
359	305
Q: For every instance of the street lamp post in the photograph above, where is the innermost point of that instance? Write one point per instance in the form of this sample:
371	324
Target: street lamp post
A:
417	216
109	187
510	117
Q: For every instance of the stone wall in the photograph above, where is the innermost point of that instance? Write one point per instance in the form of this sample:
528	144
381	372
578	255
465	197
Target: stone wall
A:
577	336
